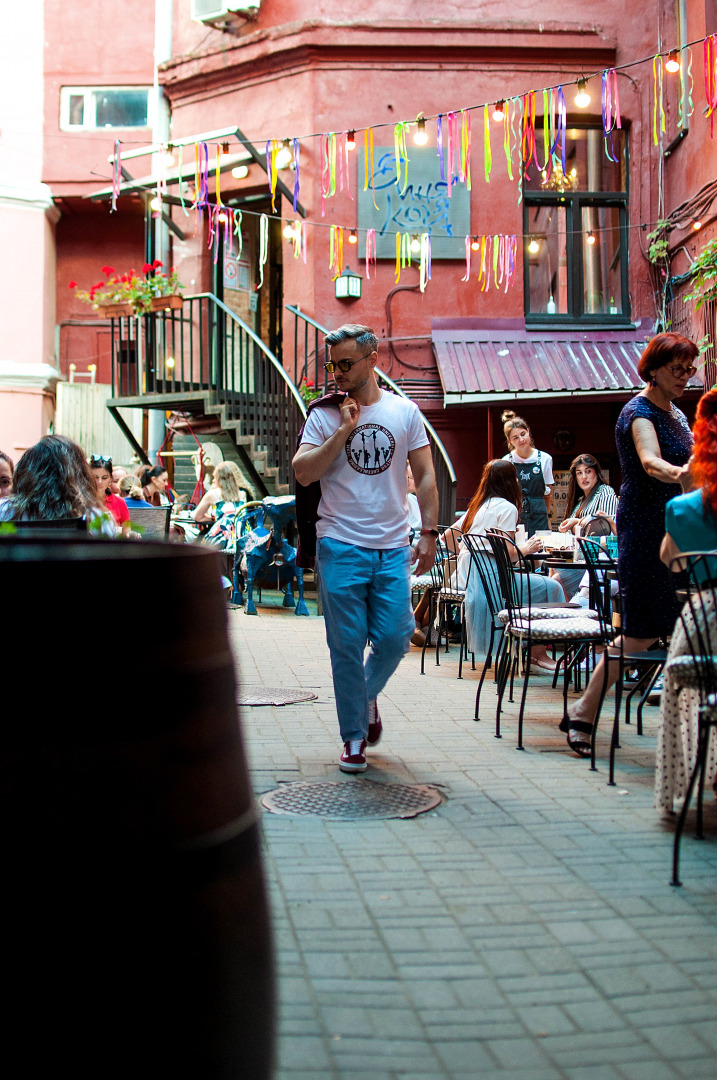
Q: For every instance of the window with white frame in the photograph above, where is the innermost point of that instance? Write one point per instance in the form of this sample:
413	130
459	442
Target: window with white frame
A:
84	108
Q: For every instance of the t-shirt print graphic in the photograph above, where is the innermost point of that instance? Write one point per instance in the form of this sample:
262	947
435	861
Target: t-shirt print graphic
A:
370	449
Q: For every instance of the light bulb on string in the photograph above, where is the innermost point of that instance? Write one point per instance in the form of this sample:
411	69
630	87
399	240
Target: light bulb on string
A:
475	243
499	112
415	244
156	204
420	135
288	231
222	217
697	224
672	63
169	156
353	237
534	246
224	152
590	238
240	172
283	155
169	362
582	97
351	139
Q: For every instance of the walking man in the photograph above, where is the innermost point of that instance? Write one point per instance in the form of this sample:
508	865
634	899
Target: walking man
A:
363	553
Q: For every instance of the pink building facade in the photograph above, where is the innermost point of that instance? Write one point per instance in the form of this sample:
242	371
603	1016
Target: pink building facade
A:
294	69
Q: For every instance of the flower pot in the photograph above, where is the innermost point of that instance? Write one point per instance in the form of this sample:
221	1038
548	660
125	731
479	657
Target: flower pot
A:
166	303
116	311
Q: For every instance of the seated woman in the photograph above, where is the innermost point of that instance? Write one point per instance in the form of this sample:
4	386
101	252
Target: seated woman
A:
594	505
691	523
221	503
496	505
155	486
53	482
130	490
101	468
7	468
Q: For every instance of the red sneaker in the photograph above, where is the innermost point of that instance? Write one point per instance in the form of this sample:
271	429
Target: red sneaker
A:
375	727
353	758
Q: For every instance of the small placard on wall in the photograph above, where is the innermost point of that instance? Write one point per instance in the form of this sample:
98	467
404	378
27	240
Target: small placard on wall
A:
424	205
236	273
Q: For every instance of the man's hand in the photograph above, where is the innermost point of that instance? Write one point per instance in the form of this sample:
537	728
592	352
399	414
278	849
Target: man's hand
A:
425	552
350	410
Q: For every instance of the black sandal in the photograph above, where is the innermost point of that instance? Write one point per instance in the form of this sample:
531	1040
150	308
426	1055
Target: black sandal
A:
579	746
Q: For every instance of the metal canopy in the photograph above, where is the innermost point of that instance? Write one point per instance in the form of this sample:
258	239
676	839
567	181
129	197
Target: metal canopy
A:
480	361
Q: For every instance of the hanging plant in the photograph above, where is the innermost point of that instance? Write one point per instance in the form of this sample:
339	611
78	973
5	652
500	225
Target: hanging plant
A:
658	243
704	276
131	293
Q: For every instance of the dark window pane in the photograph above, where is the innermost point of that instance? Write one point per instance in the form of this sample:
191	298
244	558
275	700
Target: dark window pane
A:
547	261
602	289
587	166
120	108
77	109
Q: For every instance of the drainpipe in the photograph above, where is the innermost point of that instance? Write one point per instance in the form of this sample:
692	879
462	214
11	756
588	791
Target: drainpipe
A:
160	134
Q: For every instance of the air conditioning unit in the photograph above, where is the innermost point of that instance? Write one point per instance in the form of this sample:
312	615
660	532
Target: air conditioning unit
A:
216	11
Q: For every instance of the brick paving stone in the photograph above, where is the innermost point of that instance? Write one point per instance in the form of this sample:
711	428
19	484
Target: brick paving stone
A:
526	928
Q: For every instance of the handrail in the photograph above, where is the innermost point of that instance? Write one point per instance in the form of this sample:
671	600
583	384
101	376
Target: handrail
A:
257	341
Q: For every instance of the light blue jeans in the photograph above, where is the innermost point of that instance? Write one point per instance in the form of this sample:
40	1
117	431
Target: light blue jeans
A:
366	596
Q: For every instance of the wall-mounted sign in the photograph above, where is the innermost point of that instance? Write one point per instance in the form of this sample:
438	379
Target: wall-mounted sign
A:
424	206
236	273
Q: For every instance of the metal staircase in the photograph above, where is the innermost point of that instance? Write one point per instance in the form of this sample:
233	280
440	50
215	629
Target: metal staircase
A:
203	360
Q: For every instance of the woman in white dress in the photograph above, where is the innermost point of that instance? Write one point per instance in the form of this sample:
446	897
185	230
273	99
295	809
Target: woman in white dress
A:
496	505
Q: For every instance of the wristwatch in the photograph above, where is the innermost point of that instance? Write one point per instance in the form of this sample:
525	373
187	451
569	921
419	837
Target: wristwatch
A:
431	532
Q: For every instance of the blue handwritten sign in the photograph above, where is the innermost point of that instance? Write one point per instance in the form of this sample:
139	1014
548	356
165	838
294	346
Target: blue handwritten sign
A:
424	206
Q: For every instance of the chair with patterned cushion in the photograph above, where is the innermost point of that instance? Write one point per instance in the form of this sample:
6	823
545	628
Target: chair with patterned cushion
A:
527	625
696	669
602	570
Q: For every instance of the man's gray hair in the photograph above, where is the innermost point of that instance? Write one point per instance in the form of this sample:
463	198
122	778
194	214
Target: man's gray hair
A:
362	335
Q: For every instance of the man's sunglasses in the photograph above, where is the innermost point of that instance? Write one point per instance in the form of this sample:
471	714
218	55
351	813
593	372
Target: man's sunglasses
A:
343	365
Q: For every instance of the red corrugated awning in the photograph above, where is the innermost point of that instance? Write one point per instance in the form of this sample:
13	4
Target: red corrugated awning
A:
481	361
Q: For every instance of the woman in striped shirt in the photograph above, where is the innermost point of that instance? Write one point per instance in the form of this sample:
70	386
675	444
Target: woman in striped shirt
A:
594	506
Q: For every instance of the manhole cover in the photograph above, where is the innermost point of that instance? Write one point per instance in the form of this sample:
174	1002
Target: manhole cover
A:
349	799
272	695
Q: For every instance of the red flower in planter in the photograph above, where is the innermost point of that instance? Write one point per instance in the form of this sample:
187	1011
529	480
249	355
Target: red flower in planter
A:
107	270
147	268
156	264
72	285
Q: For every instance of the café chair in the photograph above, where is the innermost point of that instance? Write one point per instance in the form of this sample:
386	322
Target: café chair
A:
527	625
602	570
151	522
696	669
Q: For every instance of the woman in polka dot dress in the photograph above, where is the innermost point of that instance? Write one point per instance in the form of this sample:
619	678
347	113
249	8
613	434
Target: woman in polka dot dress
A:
654	442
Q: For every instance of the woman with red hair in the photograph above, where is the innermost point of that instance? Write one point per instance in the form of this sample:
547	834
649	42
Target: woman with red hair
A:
691	520
654	442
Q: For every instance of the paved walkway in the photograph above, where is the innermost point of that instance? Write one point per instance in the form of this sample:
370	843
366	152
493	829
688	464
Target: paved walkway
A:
525	930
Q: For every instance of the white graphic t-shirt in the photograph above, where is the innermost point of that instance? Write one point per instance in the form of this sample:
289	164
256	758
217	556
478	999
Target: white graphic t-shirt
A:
364	493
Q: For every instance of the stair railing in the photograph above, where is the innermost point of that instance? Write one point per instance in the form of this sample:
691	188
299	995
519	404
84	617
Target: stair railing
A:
205	349
310	355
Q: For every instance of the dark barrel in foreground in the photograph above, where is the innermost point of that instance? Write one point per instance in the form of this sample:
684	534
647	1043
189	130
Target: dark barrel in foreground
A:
136	936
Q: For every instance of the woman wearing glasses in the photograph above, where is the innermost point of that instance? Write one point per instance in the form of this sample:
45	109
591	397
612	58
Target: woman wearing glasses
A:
7	468
101	469
654	442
